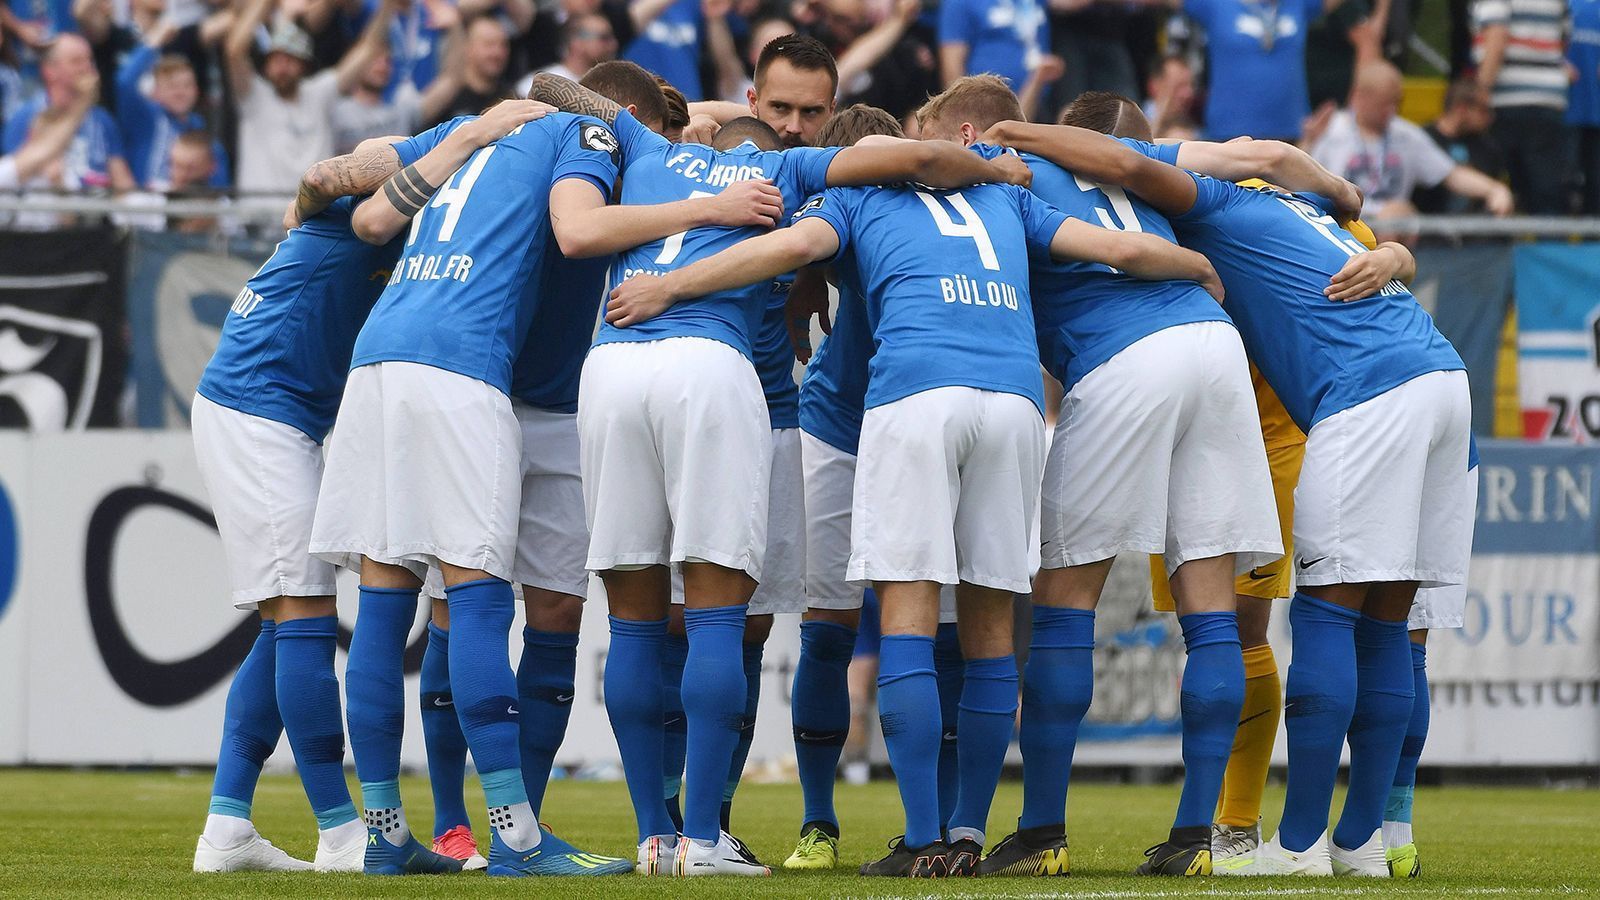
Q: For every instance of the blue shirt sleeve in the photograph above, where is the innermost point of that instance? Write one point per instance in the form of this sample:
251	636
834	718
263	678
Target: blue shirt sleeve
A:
223	176
135	111
1167	153
1040	220
954	24
635	139
588	149
113	134
805	170
834	207
417	146
1211	196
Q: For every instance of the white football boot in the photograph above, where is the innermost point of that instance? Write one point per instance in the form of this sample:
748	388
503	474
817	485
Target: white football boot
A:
1228	841
1366	861
1271	859
254	854
657	855
725	857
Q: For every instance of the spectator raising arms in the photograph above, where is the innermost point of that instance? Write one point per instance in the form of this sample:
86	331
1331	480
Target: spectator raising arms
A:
151	124
668	44
369	108
285	116
94	159
52	134
1256	58
1387	157
1518	48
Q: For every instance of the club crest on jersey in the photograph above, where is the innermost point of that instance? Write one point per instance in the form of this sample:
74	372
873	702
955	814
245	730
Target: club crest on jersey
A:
599	138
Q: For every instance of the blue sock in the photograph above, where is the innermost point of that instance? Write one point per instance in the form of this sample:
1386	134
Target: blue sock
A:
1398	806
633	667
308	697
1319	699
375	691
747	728
950	670
545	692
1384	697
1211	697
821	708
441	734
1057	686
713	705
250	728
907	691
675	728
485	690
988	712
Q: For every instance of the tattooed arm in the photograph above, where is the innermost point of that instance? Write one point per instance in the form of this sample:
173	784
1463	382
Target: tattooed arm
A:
569	96
359	172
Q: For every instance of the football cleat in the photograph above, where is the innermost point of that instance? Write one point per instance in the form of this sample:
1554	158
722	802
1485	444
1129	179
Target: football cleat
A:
961	861
410	858
1228	841
254	854
458	843
551	856
1403	861
1366	861
1016	856
906	862
350	858
728	856
1168	858
817	850
656	854
1271	859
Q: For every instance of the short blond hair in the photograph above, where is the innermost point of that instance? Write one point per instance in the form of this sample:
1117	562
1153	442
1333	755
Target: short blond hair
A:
981	100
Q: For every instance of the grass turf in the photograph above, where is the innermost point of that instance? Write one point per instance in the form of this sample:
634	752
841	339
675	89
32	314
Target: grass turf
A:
65	833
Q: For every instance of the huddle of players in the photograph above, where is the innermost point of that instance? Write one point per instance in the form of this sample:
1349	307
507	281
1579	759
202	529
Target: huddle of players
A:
465	423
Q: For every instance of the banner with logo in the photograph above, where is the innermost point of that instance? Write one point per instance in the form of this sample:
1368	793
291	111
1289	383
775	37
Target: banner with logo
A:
179	291
1558	321
63	355
1468	292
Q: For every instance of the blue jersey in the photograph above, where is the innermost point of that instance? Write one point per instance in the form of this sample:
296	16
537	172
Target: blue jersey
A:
1087	313
774	358
1275	253
945	278
88	158
833	395
658	171
670	47
462	294
285	347
150	131
1005	37
1583	52
546	372
1257	59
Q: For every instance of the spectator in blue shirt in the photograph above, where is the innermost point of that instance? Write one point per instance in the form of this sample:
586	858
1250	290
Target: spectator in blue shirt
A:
95	159
1008	38
669	45
1256	59
151	124
1583	105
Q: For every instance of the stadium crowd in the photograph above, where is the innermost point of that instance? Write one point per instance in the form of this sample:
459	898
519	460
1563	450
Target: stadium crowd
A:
203	96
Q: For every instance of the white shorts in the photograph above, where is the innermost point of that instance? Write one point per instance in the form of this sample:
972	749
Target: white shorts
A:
986	449
262	476
783	571
1384	493
422	469
676	450
1443	607
1159	450
552	537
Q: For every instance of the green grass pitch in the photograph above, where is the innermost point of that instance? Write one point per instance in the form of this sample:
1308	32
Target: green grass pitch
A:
131	835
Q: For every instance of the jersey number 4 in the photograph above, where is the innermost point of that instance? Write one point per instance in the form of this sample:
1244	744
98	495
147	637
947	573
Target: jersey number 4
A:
453	197
971	226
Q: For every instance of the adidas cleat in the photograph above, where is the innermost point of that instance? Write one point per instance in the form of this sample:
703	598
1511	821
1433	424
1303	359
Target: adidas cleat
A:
254	854
1271	859
1016	855
551	856
410	858
1366	861
907	862
1185	854
350	858
458	843
1228	841
817	849
728	856
656	854
961	860
1403	861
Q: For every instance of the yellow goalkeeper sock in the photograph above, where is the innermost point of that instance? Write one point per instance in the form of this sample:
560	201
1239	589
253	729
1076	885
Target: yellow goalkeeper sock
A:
1246	778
